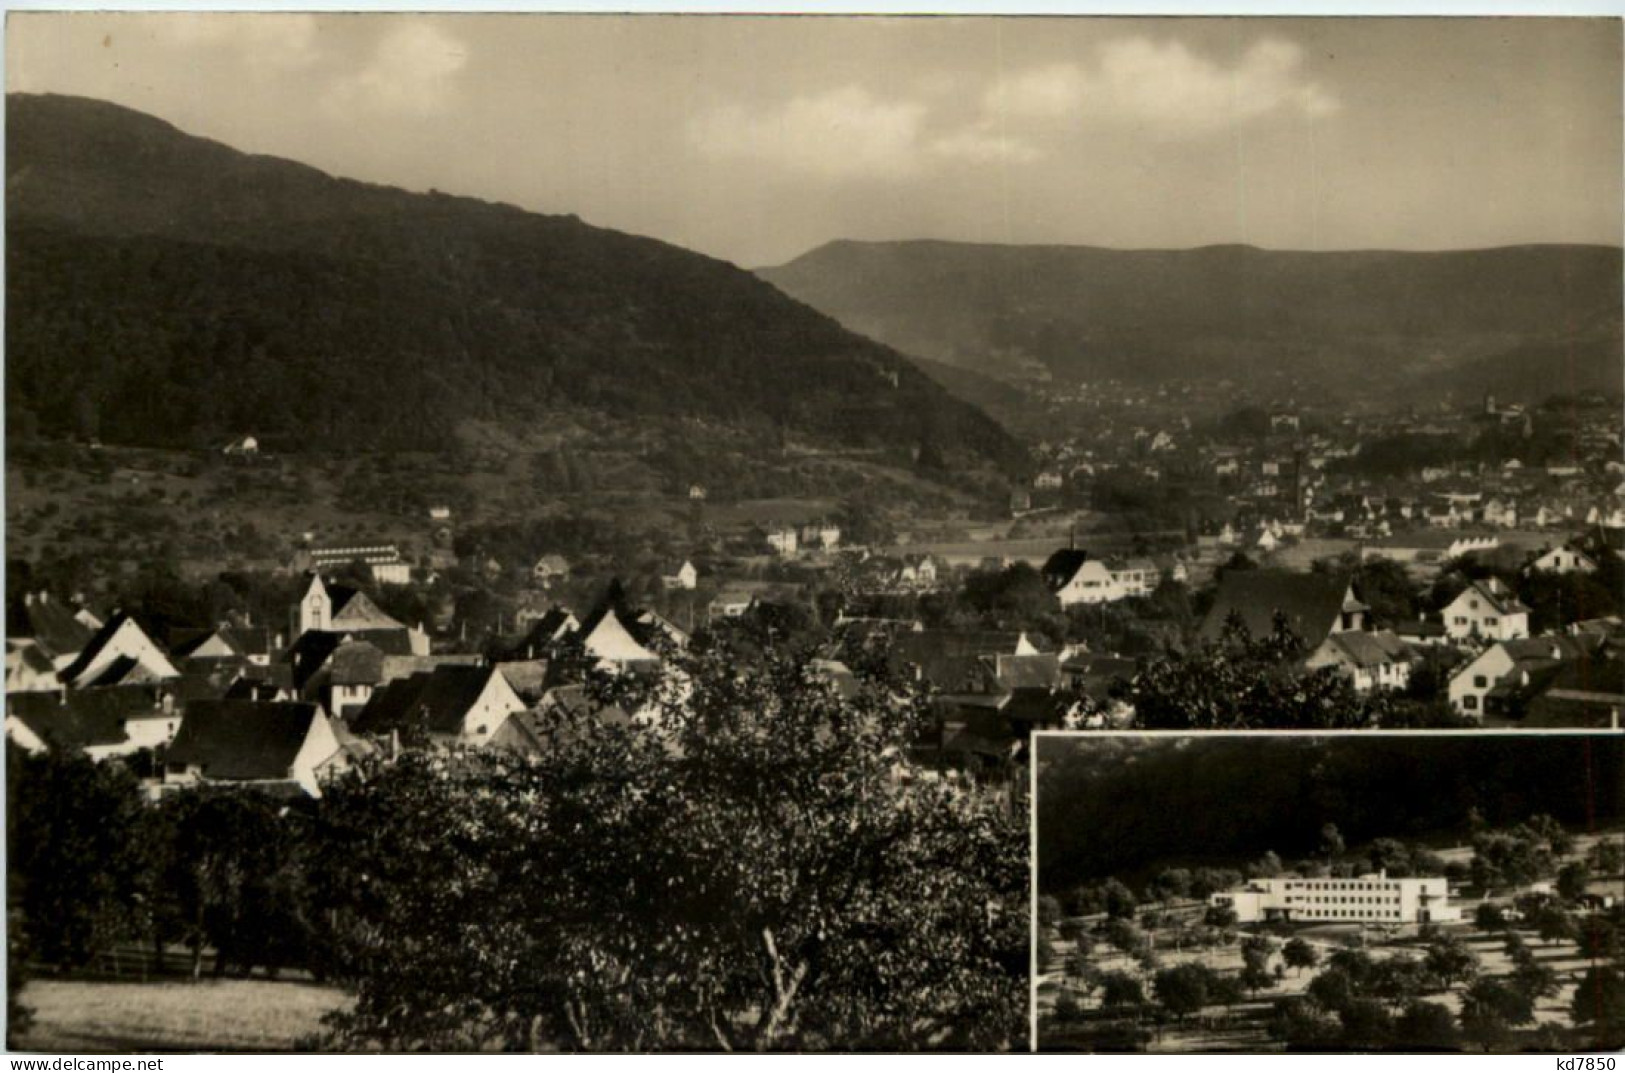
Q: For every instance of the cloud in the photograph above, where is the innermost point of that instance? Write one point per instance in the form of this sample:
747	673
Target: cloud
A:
279	41
412	70
844	133
1164	89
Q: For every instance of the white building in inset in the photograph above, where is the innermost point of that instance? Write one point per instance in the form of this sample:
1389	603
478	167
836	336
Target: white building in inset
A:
1369	899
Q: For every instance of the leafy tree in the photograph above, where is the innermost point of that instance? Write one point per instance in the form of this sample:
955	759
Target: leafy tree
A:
1049	909
1331	841
1067	1007
1300	954
1119	900
1491	1009
1572	880
1427	1026
1183	989
1367	1024
224	876
1489	917
1554	924
1598	937
1119	989
1599	1002
1220	916
1607	857
1533	979
1332	989
1451	960
73	864
1255	977
742	870
1303	1023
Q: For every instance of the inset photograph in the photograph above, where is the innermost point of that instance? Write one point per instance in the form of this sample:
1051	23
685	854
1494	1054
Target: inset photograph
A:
1345	892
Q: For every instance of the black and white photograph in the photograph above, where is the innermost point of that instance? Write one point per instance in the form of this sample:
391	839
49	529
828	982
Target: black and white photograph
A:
561	532
1352	892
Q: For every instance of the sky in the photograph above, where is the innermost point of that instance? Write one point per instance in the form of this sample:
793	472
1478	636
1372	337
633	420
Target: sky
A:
755	139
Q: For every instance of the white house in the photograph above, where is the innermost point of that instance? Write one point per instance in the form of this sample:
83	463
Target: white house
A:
1486	610
1476	685
121	653
1373	660
684	577
1562	561
783	541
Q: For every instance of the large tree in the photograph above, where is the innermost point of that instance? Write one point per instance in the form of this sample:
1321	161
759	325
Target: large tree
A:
750	867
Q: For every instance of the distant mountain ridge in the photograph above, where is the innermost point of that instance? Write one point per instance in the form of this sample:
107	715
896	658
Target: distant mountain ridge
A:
1360	323
168	290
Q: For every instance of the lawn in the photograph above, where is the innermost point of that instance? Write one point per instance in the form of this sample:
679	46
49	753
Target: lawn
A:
89	1017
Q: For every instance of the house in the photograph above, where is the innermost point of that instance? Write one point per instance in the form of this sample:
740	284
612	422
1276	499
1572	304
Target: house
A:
1486	610
1585	692
251	742
783	541
451	704
1314	605
97	722
245	445
955	661
1372	660
684	577
384	560
824	535
1564	560
355	669
550	568
43	637
696	491
1490	683
730	603
120	653
1048	480
439	513
614	641
542	638
1076	578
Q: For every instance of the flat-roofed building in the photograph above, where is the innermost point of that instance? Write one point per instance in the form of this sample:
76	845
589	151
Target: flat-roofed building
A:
1369	899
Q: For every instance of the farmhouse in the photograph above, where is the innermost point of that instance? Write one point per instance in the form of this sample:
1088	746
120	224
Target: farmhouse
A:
450	704
120	653
255	742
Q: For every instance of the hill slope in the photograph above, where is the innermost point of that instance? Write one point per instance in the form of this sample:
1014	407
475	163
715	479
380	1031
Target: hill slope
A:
1360	324
168	290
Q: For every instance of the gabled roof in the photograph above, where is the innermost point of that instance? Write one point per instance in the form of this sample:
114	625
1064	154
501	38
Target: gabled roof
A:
1495	593
242	739
1311	603
357	663
1584	692
122	668
1012	672
357	611
50	624
437	700
1370	649
951	660
81	720
1062	566
543	634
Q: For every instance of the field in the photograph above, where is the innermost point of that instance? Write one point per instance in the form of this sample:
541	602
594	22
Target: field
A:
97	1017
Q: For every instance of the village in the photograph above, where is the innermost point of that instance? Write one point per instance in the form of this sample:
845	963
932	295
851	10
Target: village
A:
1482	593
